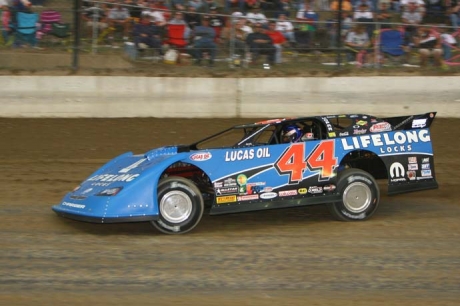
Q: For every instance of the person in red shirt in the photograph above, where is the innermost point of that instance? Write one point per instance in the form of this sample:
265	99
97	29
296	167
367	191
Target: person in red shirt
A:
278	40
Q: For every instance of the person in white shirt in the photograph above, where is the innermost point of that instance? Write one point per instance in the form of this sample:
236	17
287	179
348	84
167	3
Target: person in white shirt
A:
256	16
285	27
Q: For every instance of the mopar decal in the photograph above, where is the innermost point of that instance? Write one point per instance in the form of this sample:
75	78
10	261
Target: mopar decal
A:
397	172
380	127
388	143
268	195
246	154
201	156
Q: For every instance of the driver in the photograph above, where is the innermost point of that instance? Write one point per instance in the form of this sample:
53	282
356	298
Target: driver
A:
291	133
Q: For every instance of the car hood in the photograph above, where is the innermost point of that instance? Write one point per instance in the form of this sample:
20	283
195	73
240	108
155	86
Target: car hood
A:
122	171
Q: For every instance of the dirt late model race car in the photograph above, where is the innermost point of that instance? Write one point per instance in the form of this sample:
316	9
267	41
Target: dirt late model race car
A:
333	160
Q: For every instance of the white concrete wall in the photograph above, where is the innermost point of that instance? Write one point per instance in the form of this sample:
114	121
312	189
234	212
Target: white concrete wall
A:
119	96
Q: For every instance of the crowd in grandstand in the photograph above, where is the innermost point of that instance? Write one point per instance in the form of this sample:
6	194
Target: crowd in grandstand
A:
256	28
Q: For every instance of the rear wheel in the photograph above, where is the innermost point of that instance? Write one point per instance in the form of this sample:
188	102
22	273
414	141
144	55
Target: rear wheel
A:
180	205
360	196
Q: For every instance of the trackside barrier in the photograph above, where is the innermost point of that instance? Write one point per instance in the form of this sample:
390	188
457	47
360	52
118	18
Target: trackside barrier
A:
120	96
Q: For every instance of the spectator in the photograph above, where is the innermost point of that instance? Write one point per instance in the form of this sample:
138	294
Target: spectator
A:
455	15
203	41
147	35
160	6
278	40
370	6
285	26
155	15
429	45
256	16
260	43
95	17
178	5
346	6
383	15
363	14
358	42
308	22
419	4
251	4
234	4
412	17
448	42
119	18
197	4
192	18
6	23
235	39
215	21
207	5
284	8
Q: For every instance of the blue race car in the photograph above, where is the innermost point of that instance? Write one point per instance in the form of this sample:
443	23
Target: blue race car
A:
290	162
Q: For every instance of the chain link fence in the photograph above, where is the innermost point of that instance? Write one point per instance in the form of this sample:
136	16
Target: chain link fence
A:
245	34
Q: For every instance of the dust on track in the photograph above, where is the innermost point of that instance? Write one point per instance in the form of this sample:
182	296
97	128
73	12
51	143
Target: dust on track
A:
408	253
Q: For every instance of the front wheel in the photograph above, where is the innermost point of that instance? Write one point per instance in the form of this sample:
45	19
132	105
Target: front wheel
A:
180	205
360	196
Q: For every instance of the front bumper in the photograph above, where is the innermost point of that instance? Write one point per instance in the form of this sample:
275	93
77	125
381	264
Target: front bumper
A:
71	214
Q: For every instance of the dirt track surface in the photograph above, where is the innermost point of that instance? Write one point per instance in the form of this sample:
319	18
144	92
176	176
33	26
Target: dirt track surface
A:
407	254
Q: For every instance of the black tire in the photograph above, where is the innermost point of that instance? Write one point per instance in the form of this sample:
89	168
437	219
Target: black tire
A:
180	205
360	196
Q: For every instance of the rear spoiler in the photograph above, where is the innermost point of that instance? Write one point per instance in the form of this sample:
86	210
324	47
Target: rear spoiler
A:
411	122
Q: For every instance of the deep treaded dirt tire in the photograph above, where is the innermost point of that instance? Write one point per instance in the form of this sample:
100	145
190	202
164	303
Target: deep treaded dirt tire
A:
180	205
360	196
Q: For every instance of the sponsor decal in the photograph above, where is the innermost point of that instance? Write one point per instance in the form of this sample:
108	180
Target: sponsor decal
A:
403	122
248	197
242	180
426	160
331	134
425	166
246	154
397	172
361	122
354	116
113	177
328	125
303	190
419	123
329	188
380	127
267	189
201	156
229	182
268	195
359	131
132	166
74	205
426	173
411	175
226	199
218	184
387	143
226	190
412	160
287	193
315	189
412	167
344	134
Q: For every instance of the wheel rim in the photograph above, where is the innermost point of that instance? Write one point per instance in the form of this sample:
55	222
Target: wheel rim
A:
176	206
357	197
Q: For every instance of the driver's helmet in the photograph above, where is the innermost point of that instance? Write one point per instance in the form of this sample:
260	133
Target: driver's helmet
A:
291	133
